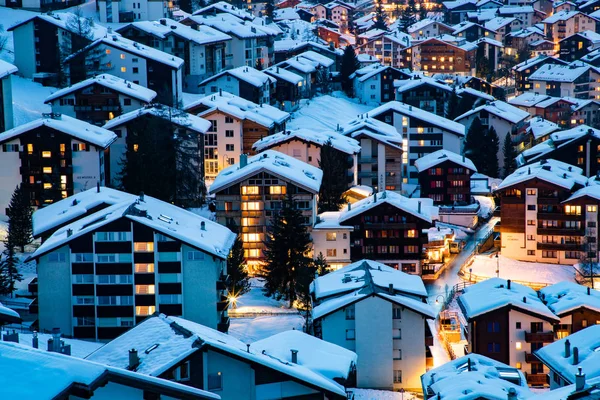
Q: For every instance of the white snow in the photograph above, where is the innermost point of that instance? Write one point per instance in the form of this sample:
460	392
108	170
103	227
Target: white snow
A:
500	110
232	25
255	302
409	84
28	99
328	112
486	206
79	348
561	16
246	74
202	36
225	8
250	329
420	208
551	171
372	394
560	73
8	313
177	117
564	297
318	138
284	74
6	69
437	157
374	129
540	127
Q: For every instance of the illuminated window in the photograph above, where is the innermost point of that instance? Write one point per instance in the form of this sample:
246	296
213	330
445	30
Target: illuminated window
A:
145	310
136	147
47	170
250	221
331	236
143	246
251	206
537	85
250	190
592	208
47	186
30	148
420	129
518	345
122	56
519	365
123	69
251	237
111	115
421	143
63	147
144	268
63	194
573	210
277	190
144	289
411	233
46	154
404	121
107	51
251	253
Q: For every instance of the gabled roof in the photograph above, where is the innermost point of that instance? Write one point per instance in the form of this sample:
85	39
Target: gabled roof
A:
540	127
290	44
222	7
273	162
366	278
166	27
416	81
501	110
283	74
372	70
589	35
178	338
423	23
440	156
232	25
499	22
561	16
528	99
565	297
73	127
6	69
9	315
420	208
178	117
246	74
62	20
374	129
451	5
550	171
166	218
112	82
225	102
558	140
541	59
494	293
592	191
417	113
319	138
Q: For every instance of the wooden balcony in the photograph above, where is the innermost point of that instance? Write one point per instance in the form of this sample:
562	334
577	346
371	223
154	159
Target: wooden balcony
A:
544	337
538	379
529	358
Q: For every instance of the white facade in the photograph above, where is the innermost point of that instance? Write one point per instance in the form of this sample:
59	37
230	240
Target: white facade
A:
333	243
24	43
230	84
142	10
54	291
6	100
517	344
224	144
369	90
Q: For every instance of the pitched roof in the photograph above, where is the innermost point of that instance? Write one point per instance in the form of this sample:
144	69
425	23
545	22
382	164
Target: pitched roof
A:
319	138
542	58
528	99
564	297
283	74
73	127
561	73
540	127
501	110
276	163
561	16
375	129
246	74
112	82
494	293
166	27
173	115
437	157
558	140
222	7
416	81
232	25
6	69
166	218
63	21
550	171
371	70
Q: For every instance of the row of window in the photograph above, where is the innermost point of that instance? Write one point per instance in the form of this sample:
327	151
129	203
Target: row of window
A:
389	249
124	280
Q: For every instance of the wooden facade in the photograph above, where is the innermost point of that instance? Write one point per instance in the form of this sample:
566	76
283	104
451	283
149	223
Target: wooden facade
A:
447	183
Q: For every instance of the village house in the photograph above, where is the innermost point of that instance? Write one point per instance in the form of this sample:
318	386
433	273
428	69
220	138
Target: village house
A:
6	107
246	82
374	84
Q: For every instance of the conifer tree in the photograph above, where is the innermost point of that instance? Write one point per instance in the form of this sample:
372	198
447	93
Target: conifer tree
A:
321	267
334	165
270	10
491	146
408	16
473	144
451	110
380	17
239	281
349	65
9	273
287	266
510	154
19	219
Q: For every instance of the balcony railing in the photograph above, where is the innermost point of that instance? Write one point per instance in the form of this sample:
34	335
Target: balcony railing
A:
538	379
529	358
544	337
559	246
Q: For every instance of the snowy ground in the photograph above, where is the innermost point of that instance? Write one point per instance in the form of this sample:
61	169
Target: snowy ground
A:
487	206
28	100
370	394
326	112
255	302
484	265
438	352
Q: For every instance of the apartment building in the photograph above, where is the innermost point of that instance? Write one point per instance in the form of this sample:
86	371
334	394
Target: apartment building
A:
426	28
53	157
332	240
507	322
379	313
566	23
6	108
99	99
524	70
246	82
423	92
578	45
252	191
102	274
537	225
387	47
578	79
202	48
236	124
128	11
374	84
444	54
422	133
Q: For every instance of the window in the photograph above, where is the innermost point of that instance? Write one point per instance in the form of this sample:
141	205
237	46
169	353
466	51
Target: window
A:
531	192
411	249
106	258
530	222
573	210
85	321
396	313
143	247
531	252
548	254
144	310
229	147
396	333
169	299
135	70
350	334
83	257
519	365
331	252
350	313
114	279
229	133
277	190
493	327
127	102
250	190
83	278
331	236
531	207
411	233
112	236
493	347
107	300
46	154
592	208
57	257
398	354
518	325
584	323
397	376
123	69
182	373
215	381
228	120
530	237
518	345
144	268
195	255
79	300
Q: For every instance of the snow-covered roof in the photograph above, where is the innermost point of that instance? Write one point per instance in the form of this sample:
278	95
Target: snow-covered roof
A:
422	24
291	44
450	5
475	93
76	128
558	140
232	25
6	69
111	82
540	127
319	138
440	156
551	171
409	84
166	27
368	278
30	373
9	315
273	162
64	20
178	338
249	75
587	342
526	32
501	110
287	13
75	207
528	99
591	391
284	74
561	16
330	220
166	218
589	35
420	208
369	71
593	191
177	117
565	297
222	7
322	60
417	113
535	61
264	114
494	293
375	129
550	101
475	377
560	73
515	9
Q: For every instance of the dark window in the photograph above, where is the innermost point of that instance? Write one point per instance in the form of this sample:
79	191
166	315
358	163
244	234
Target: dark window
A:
531	207
215	381
536	327
518	325
493	326
493	347
127	102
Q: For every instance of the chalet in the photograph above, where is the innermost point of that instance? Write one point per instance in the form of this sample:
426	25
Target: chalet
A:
524	70
289	87
331	240
6	107
386	47
288	48
426	28
543	47
246	82
471	31
456	11
566	23
426	93
436	55
375	83
578	45
502	26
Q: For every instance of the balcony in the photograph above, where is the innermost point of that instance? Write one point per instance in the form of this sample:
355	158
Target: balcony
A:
544	337
222	282
367	174
559	246
529	358
223	325
538	379
366	160
223	304
561	231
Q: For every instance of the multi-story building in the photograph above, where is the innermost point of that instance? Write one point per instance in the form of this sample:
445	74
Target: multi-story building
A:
236	124
128	11
422	133
52	158
137	63
288	48
386	47
445	177
566	23
340	13
249	193
445	54
6	108
379	313
246	82
524	70
100	99
289	87
374	84
102	274
471	31
578	45
331	240
426	93
426	28
536	224
202	48
507	322
578	79
381	154
456	11
390	228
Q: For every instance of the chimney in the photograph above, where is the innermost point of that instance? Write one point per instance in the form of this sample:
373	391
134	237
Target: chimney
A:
202	226
134	360
575	356
163	22
69	232
588	291
524	299
141	196
349	206
512	394
579	380
243	160
508	284
469	364
567	348
220	92
98	187
54	344
34	341
247	347
295	356
419	207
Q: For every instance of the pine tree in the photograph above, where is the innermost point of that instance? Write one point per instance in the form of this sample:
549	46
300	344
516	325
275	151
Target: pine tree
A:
238	283
349	65
473	144
270	10
287	267
510	155
491	146
9	273
19	219
451	110
186	5
321	267
408	16
380	17
334	165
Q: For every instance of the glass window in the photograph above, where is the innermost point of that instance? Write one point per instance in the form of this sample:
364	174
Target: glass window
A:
277	190
215	381
195	255
168	256
83	278
145	247
144	289
396	313
350	313
144	268
57	257
250	190
84	300
331	236
145	310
